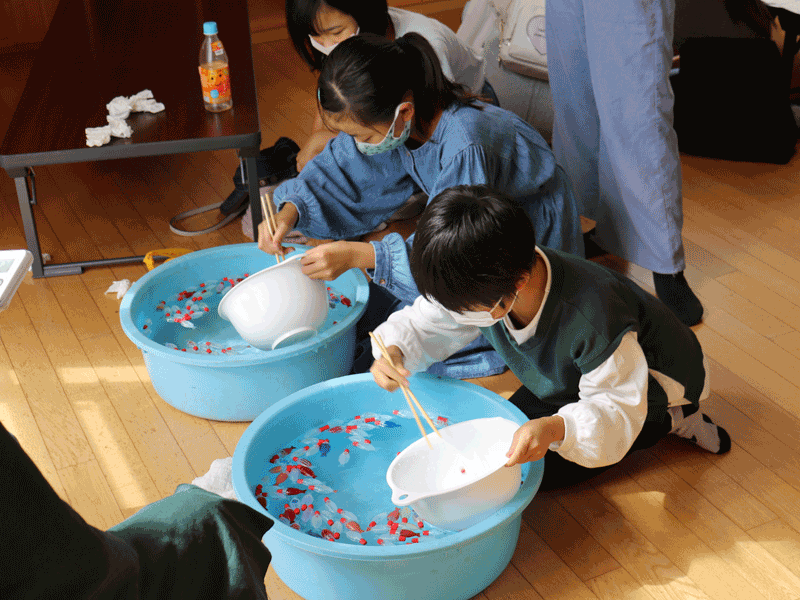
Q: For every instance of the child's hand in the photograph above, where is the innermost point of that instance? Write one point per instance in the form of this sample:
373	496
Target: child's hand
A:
532	440
330	260
286	218
387	376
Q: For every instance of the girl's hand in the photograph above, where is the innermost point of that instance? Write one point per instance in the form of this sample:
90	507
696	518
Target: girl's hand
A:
286	218
330	260
386	375
532	440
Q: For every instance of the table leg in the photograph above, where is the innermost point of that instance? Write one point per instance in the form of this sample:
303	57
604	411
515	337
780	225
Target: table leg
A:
29	224
32	237
253	190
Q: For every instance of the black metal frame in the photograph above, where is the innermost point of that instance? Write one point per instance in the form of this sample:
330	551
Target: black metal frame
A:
25	180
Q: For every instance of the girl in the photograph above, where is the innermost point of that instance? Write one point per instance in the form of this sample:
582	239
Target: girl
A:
404	125
316	27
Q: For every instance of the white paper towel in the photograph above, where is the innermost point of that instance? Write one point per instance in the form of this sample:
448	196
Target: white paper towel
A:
120	287
120	109
218	479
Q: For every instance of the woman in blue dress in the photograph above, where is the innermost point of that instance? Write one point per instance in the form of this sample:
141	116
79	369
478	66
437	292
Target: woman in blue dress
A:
404	127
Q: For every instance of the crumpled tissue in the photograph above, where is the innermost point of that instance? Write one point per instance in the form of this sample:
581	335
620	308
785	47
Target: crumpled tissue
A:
119	128
219	479
120	109
97	136
120	287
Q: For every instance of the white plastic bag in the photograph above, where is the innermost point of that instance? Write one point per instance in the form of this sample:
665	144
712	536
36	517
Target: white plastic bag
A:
219	479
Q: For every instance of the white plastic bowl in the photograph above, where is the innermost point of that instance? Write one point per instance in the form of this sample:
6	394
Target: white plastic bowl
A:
276	306
462	479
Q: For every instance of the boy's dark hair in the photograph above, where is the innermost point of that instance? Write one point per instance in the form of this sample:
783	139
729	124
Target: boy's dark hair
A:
367	76
472	245
372	16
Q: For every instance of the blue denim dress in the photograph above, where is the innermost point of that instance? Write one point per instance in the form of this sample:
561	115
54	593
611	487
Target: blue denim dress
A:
342	193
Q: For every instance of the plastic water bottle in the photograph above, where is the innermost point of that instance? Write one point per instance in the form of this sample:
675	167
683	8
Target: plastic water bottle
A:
214	72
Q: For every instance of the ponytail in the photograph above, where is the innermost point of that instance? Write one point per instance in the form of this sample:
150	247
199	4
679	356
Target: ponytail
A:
367	76
432	90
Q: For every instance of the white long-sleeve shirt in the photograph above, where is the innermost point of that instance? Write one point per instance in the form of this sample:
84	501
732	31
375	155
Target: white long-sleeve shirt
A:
600	427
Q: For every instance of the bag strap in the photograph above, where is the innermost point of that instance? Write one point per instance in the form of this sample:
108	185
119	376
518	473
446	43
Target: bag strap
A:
200	211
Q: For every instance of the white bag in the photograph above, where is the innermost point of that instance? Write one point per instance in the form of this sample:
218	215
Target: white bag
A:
520	26
524	49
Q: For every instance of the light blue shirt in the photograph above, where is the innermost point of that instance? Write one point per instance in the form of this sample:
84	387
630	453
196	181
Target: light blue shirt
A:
342	193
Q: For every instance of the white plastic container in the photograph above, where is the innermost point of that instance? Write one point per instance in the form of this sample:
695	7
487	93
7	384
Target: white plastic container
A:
462	479
277	306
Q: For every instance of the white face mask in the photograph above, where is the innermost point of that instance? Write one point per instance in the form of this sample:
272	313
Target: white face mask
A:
326	50
482	318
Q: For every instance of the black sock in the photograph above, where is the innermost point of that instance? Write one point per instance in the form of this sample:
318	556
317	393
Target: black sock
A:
701	430
674	291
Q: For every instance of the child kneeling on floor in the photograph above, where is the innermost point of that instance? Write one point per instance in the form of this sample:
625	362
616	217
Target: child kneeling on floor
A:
606	367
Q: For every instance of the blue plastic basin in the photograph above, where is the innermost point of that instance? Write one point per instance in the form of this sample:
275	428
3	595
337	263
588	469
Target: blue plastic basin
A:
452	566
237	384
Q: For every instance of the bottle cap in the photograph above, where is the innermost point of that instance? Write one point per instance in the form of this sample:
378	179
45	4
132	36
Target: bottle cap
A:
210	28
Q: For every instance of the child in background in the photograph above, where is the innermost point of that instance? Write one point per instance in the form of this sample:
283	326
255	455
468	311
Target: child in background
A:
606	368
316	27
407	127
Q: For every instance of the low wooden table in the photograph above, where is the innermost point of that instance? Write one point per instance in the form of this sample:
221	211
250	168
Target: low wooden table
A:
95	51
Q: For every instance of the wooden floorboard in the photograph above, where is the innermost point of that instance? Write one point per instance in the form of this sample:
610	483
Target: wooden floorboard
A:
671	523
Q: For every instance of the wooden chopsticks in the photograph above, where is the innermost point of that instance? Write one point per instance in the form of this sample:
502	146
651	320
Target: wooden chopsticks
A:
407	393
269	217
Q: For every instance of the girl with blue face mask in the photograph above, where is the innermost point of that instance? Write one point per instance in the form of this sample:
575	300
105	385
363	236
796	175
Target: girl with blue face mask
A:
404	127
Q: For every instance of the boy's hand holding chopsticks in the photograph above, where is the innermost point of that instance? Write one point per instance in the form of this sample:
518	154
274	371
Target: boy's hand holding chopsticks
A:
410	397
386	375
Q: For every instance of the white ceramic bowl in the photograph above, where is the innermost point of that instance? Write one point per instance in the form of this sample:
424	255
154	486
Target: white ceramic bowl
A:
462	479
277	306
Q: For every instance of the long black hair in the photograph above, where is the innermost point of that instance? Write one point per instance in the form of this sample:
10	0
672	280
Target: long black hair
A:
367	76
372	16
472	245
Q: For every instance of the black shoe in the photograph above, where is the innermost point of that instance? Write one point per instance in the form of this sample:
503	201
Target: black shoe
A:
674	291
591	248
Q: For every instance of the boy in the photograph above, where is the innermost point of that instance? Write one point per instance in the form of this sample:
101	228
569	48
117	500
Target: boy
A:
606	367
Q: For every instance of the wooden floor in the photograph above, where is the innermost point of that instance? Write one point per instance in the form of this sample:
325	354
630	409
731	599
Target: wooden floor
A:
674	522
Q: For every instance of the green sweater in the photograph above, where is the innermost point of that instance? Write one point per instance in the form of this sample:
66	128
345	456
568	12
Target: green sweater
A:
588	310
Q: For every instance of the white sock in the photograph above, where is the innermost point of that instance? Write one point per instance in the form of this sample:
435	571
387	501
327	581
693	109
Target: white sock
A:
700	429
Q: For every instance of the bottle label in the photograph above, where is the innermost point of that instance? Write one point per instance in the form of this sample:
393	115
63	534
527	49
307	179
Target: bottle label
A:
216	84
216	48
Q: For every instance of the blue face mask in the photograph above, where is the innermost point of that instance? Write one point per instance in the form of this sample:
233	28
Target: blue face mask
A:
389	142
